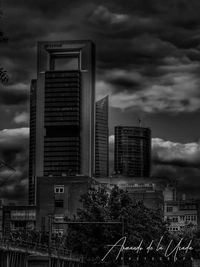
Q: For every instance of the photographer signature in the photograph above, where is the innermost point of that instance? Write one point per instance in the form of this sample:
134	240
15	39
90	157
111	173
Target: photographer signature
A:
167	250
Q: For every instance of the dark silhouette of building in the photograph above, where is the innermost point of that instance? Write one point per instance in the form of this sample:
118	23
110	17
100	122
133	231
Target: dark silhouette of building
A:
132	151
62	130
58	198
101	139
32	141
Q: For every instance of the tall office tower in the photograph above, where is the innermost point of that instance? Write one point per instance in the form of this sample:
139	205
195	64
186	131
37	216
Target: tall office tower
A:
65	109
132	151
32	141
101	139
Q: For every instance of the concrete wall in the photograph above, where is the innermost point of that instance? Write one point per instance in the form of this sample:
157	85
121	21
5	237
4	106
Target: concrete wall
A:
74	187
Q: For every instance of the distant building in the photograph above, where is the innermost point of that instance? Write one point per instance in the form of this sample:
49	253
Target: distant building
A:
181	214
147	193
101	139
62	129
132	151
151	197
18	218
57	199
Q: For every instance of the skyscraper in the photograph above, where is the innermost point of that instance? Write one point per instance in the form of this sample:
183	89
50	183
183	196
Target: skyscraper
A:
32	141
132	151
101	139
65	93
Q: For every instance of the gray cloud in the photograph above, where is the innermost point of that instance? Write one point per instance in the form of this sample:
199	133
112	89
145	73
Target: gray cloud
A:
173	161
148	59
176	154
14	152
14	94
177	162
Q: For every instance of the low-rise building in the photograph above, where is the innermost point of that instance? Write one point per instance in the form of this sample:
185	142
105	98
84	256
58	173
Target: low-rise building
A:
18	218
58	198
144	191
180	213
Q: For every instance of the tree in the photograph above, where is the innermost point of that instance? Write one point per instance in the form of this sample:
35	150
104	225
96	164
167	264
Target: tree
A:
132	220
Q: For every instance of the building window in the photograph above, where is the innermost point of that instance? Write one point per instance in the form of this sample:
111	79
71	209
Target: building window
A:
59	189
59	203
175	219
188	218
59	218
169	209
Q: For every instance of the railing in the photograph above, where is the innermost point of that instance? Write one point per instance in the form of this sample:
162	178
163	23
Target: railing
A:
33	248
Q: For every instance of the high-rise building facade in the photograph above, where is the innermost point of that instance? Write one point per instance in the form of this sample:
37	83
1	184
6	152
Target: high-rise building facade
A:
65	102
32	141
101	139
132	151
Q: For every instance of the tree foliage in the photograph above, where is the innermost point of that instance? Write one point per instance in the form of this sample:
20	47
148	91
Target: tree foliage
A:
135	222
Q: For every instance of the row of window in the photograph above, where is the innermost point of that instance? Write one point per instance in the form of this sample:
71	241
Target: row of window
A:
73	85
63	123
68	164
62	99
63	119
61	74
62	109
70	153
65	168
175	229
61	159
170	208
63	113
62	104
67	138
59	189
62	172
60	80
172	229
54	93
183	218
62	143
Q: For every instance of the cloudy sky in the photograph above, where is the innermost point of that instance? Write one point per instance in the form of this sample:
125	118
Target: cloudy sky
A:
148	61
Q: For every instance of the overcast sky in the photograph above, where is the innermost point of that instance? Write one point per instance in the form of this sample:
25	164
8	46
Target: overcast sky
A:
148	61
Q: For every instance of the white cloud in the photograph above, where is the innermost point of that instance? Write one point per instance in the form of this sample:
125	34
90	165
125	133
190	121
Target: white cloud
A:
19	86
24	131
102	89
168	151
21	117
102	13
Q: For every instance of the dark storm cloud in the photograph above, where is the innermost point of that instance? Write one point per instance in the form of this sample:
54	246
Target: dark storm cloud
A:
13	95
155	43
148	58
14	152
177	162
186	178
122	80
